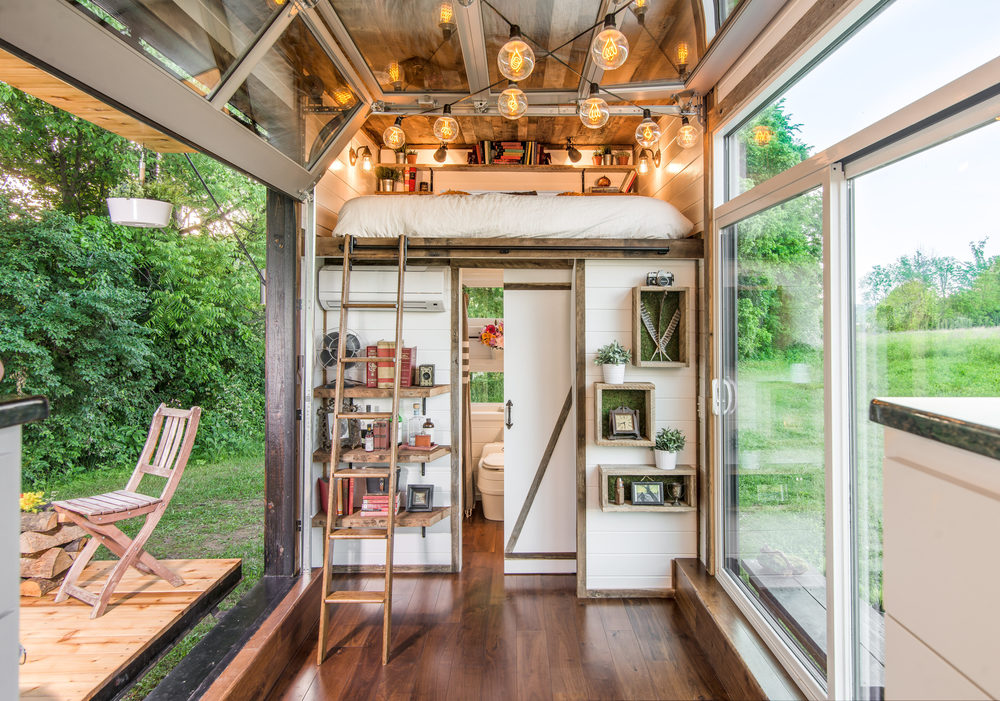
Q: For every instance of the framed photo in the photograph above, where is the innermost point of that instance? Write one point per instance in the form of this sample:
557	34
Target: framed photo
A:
624	422
647	493
420	497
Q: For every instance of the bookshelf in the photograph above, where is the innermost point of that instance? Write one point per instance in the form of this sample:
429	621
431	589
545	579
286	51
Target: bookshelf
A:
431	168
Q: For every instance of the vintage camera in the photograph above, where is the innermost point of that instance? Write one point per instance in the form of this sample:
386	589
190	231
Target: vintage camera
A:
425	376
659	279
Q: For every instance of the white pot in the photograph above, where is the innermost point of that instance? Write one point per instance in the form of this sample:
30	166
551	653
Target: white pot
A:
614	374
665	460
147	214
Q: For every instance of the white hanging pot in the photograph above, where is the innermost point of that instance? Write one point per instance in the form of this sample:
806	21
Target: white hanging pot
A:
146	214
665	460
614	374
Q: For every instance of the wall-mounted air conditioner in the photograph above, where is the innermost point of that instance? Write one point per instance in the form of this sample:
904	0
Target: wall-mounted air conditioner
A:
423	287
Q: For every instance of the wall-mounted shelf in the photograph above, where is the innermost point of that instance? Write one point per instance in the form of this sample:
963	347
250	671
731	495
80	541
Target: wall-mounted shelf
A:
358	455
634	395
665	311
511	167
382	392
404	519
608	474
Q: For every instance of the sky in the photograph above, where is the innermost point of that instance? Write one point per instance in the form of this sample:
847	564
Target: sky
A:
938	200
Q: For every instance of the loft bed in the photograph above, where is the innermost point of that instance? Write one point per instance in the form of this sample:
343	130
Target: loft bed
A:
499	226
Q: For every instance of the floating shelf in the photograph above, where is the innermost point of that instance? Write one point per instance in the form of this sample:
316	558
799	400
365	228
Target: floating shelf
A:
671	304
458	167
683	473
404	519
382	392
358	455
634	395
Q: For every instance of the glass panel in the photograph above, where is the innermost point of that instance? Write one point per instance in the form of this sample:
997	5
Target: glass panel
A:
407	33
660	46
773	426
545	24
486	387
903	53
196	42
724	8
927	301
296	99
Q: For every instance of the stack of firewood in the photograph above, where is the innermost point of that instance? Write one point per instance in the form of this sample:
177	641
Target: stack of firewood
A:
48	548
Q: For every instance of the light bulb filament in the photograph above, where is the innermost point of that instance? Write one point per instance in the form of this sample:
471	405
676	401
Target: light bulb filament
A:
610	50
682	53
446	130
446	13
647	133
595	113
394	72
516	61
512	102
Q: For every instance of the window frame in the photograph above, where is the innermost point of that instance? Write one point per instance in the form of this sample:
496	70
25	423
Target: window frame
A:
962	105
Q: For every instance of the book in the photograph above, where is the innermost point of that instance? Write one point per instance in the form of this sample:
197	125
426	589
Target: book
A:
371	369
628	181
386	368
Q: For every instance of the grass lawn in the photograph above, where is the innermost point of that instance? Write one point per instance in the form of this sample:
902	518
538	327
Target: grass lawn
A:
217	512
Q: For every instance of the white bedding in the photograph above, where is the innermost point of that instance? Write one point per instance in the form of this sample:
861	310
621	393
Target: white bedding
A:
499	215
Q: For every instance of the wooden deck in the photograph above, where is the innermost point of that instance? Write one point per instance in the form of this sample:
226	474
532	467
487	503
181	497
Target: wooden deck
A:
483	635
71	656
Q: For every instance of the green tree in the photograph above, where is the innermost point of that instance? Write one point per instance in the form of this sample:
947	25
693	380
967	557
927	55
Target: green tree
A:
784	149
910	306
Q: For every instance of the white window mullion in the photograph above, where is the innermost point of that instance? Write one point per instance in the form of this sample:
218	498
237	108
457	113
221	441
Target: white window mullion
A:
838	381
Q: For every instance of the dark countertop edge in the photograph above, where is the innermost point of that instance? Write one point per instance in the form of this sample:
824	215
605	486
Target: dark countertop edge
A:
20	410
973	437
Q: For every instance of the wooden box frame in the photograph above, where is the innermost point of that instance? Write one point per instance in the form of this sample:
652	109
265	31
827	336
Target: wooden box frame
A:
639	331
647	414
686	473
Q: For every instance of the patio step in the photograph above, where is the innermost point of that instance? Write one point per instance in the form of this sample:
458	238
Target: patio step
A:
359	534
355	597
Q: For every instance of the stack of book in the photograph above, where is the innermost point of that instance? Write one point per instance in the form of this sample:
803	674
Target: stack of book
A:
508	153
378	504
382	372
380	430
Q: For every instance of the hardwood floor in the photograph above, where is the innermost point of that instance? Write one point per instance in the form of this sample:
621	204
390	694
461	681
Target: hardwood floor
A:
483	635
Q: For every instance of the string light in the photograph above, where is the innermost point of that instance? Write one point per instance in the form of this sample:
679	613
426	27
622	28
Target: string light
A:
762	135
647	134
639	7
394	136
687	135
446	126
682	57
395	73
610	47
512	103
594	110
343	97
516	60
446	19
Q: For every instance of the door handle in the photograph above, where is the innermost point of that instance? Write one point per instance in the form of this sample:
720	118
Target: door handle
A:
507	413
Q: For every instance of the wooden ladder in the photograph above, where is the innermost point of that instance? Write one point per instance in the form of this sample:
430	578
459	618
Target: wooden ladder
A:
333	530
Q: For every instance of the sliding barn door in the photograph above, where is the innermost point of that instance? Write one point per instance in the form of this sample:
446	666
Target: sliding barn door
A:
540	426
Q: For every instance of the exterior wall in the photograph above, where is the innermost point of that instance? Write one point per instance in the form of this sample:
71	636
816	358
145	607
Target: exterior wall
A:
630	551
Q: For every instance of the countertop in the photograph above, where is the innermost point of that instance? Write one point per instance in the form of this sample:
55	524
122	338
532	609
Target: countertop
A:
970	423
20	410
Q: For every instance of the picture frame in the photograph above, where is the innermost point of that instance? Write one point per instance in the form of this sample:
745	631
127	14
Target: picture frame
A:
623	423
647	493
420	497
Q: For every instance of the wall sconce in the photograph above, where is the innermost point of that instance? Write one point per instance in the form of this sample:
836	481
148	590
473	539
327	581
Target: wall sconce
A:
366	159
644	160
352	156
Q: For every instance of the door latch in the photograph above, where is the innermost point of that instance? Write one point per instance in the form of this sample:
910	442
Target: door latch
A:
507	413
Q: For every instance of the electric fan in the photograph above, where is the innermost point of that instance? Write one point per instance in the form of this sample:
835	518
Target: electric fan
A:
352	349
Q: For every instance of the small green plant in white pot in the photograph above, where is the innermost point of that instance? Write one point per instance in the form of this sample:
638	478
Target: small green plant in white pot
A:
669	442
612	359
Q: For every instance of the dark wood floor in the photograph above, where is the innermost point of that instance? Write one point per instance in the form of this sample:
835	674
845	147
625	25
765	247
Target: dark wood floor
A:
483	635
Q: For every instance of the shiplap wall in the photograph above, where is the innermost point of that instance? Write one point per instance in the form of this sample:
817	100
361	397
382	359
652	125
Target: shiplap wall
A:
341	183
627	550
680	178
430	332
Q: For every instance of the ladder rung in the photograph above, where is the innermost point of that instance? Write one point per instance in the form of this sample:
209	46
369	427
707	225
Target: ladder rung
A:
364	415
359	472
356	597
370	305
359	534
359	359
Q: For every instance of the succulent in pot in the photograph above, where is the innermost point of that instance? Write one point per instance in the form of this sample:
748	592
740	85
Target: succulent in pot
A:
669	442
612	358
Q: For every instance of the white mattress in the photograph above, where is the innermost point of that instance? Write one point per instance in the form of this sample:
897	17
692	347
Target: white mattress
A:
499	215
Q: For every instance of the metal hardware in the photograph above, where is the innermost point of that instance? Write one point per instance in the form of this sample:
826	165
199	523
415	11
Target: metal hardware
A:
507	414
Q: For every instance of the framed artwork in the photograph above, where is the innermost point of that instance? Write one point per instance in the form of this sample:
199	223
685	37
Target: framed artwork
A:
659	326
420	497
647	493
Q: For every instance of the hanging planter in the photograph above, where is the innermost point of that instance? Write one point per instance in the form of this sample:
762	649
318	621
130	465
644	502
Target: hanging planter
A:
139	212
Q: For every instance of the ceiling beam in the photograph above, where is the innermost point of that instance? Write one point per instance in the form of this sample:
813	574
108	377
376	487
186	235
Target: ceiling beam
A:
466	109
472	37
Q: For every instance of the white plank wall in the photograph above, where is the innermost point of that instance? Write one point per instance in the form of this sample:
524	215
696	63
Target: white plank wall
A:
340	183
635	550
430	332
680	178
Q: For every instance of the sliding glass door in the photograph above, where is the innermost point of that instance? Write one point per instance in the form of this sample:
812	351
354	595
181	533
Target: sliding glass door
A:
773	419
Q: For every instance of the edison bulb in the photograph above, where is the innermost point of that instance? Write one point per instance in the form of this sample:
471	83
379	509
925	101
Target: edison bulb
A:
516	60
394	136
512	103
762	135
610	47
395	73
682	56
366	162
647	134
643	164
446	127
687	135
446	19
594	112
343	97
639	7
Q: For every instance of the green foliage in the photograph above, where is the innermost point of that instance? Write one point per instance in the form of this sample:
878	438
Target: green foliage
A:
486	387
670	439
612	354
485	302
910	306
783	151
387	173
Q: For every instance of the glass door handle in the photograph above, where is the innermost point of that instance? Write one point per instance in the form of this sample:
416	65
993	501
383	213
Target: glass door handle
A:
507	413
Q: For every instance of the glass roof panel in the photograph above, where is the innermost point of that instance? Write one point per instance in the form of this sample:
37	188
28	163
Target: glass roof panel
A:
405	32
195	40
545	24
295	98
653	43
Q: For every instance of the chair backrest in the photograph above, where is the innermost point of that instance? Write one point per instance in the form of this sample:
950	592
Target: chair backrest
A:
168	447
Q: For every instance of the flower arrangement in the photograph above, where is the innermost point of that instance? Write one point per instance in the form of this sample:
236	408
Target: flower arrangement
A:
492	335
31	501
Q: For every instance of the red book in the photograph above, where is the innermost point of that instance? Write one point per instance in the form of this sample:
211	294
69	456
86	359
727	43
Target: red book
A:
386	368
413	180
371	369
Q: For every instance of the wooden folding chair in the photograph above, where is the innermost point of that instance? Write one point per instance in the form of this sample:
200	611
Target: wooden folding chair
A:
171	436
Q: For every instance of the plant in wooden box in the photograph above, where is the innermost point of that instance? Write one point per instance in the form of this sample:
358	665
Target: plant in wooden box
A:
387	177
669	442
659	326
612	359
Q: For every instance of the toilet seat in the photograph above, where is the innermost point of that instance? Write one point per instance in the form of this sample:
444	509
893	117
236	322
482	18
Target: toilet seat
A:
493	461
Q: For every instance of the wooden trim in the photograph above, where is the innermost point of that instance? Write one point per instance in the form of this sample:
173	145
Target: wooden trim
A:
279	388
630	593
396	569
456	422
707	506
540	556
543	465
537	286
580	295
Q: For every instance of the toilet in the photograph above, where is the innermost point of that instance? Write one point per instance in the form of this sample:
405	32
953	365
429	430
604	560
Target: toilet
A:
489	479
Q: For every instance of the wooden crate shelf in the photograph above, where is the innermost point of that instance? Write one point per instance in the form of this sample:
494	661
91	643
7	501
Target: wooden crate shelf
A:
382	392
640	397
358	455
404	519
685	473
669	302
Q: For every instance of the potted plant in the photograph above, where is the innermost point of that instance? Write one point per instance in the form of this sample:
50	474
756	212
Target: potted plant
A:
143	204
400	154
386	177
669	442
411	157
621	158
607	158
599	153
612	359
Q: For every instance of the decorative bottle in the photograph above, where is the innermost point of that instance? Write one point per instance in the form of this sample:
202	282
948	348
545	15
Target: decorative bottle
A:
414	426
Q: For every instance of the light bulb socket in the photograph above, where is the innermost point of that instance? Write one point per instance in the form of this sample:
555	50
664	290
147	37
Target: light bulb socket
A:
609	21
398	122
646	114
594	89
446	109
515	32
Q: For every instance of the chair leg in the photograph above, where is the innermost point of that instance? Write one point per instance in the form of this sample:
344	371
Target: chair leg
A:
77	568
128	559
145	563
